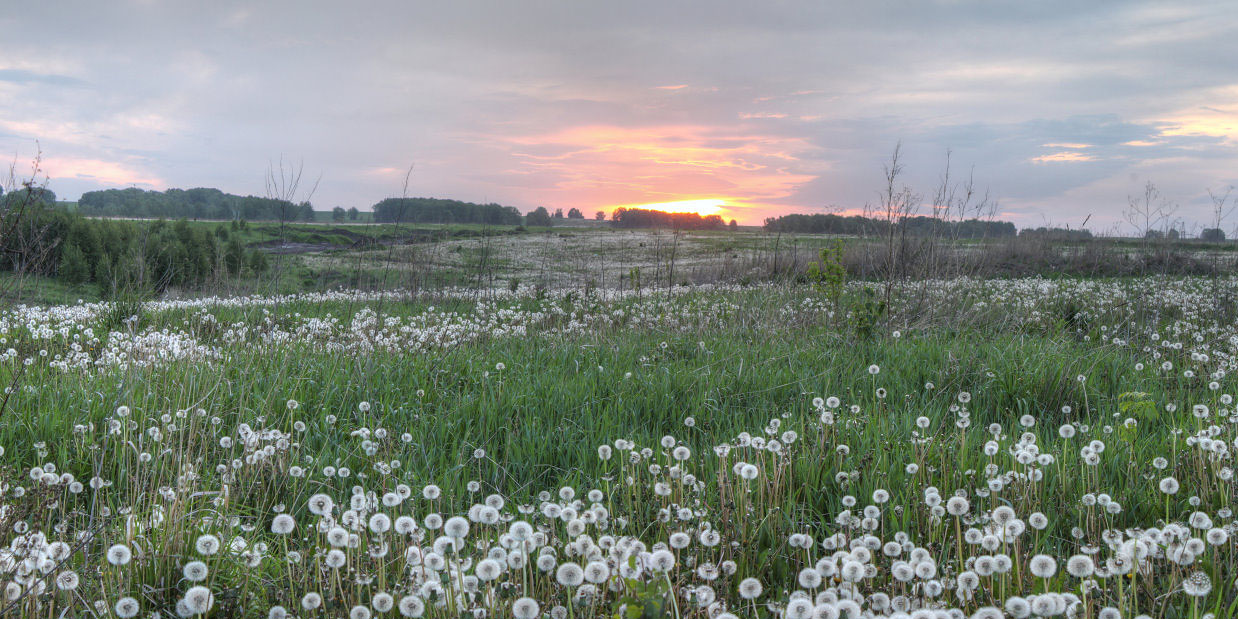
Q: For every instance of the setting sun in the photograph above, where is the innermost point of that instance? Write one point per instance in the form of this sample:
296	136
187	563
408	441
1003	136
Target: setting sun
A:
704	206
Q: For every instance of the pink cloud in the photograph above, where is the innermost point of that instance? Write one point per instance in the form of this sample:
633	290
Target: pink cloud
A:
104	172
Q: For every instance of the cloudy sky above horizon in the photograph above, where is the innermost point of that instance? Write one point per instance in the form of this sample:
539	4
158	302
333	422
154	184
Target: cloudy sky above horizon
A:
1060	109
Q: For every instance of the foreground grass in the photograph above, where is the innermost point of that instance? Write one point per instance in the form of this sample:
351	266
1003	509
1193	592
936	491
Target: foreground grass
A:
545	414
179	446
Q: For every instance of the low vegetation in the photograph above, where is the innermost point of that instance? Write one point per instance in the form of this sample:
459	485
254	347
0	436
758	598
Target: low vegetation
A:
987	448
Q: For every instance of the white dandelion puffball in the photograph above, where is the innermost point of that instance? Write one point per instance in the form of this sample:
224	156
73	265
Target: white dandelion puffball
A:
525	608
119	554
311	601
382	602
198	599
411	606
195	571
127	607
1043	566
750	588
570	575
283	524
1080	566
957	506
1197	584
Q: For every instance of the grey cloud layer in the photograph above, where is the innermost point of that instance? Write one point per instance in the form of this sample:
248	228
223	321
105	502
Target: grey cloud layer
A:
207	93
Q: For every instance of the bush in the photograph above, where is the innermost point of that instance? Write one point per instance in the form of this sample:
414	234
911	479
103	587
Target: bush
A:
1212	235
539	217
73	266
258	261
234	256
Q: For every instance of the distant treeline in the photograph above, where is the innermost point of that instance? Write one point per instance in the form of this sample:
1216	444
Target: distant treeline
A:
1056	234
200	203
27	195
436	210
858	225
120	256
643	218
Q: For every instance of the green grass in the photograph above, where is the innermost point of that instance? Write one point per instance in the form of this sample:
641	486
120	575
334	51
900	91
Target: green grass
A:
42	290
736	363
553	405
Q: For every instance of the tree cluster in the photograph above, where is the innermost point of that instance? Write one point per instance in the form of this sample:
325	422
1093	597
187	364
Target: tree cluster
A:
437	210
539	217
27	195
645	218
340	214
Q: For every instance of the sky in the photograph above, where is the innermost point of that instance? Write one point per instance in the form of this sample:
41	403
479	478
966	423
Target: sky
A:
1059	110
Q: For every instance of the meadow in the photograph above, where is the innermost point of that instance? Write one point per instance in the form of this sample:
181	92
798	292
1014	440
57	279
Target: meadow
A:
939	448
288	258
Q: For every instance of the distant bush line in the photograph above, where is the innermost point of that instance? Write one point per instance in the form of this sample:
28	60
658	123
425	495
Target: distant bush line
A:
856	225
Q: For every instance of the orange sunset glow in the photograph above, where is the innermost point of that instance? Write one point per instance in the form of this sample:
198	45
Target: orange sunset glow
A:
704	206
666	167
